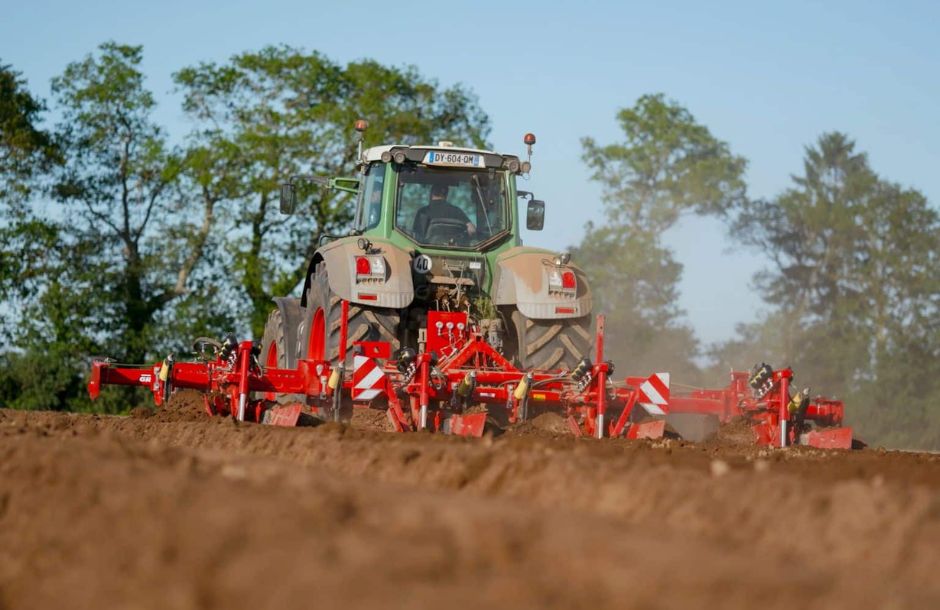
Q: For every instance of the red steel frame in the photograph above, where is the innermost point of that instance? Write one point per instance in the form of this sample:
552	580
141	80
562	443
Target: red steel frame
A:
231	383
472	373
773	421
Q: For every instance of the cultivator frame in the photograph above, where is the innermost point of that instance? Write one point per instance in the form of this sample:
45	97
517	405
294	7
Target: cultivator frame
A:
438	389
442	389
778	418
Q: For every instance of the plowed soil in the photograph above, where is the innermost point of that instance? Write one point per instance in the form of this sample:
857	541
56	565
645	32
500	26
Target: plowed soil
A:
176	510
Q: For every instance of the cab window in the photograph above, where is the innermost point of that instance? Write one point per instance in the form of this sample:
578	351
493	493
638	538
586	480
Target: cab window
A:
450	207
370	197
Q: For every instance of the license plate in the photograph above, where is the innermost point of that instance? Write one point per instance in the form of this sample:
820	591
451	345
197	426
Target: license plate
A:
453	159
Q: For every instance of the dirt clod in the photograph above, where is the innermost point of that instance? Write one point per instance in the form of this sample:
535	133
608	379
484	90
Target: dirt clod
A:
719	468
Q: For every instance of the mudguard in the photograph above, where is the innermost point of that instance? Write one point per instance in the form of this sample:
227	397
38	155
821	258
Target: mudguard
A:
521	279
396	291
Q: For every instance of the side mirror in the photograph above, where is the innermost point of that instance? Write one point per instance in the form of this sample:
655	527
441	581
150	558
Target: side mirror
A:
535	215
288	198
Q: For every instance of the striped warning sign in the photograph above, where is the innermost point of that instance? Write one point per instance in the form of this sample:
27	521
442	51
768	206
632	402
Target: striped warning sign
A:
368	378
654	394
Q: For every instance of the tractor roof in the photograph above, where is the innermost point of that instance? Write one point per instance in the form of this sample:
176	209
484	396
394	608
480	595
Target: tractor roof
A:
375	153
419	154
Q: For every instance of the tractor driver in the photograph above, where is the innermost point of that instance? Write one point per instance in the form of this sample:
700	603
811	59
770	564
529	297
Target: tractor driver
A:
439	207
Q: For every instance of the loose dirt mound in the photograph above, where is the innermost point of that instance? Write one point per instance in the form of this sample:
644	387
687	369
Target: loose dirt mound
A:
370	419
738	433
184	405
144	512
545	425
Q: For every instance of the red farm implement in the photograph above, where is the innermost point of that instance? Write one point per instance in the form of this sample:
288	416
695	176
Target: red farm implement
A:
487	330
441	389
777	417
444	388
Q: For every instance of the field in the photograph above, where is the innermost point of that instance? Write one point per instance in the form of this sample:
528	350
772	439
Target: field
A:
174	510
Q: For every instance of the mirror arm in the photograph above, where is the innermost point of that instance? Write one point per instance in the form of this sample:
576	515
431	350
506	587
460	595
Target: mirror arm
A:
288	192
347	185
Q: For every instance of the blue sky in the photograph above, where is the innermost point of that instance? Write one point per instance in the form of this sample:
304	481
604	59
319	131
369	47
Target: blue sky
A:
768	78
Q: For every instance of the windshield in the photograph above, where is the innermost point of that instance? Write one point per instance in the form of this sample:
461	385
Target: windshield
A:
450	207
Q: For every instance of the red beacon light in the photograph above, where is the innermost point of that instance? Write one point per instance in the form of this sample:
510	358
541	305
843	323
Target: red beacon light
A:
360	125
528	139
362	266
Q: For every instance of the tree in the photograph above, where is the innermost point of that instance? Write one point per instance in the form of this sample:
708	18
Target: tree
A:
853	290
100	269
24	146
667	165
119	190
266	116
25	150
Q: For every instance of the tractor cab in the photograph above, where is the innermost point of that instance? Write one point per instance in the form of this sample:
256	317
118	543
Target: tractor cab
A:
437	234
439	196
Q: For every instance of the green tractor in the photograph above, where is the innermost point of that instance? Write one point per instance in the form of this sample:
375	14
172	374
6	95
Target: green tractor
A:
437	228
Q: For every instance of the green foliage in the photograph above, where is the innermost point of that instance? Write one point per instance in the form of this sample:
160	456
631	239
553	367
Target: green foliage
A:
667	165
94	272
147	245
853	290
280	112
25	151
24	146
120	188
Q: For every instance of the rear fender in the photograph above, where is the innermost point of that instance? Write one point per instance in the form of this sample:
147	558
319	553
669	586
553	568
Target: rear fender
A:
394	291
521	279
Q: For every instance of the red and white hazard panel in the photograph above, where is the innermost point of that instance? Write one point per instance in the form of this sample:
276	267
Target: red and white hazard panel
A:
654	393
368	378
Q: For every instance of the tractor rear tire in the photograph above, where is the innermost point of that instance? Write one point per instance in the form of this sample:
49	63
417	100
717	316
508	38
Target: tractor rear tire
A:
274	347
320	329
277	350
552	344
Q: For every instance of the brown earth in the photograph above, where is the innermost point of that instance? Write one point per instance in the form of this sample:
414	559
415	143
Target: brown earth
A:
175	510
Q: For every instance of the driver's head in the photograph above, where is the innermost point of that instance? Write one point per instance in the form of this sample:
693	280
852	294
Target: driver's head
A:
439	192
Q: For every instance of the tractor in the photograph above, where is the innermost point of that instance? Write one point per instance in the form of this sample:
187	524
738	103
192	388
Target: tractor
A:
433	311
437	230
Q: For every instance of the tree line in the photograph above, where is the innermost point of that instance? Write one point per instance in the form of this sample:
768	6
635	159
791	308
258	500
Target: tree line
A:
117	240
851	288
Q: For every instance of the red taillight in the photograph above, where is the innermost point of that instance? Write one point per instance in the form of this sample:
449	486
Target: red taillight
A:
568	280
370	268
362	266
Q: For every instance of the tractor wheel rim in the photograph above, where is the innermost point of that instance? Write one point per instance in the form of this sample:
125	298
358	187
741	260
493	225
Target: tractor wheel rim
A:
270	362
317	347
